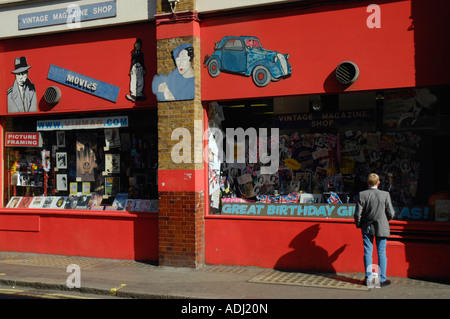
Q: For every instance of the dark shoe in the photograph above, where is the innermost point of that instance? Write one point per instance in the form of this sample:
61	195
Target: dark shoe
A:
131	97
385	283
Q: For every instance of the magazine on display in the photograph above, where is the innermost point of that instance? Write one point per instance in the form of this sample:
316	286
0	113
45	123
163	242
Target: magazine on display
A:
13	202
142	205
71	202
59	202
112	163
48	201
120	201
82	202
111	185
25	202
37	202
95	200
129	205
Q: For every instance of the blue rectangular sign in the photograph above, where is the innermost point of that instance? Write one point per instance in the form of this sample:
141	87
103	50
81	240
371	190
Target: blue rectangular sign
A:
83	83
69	15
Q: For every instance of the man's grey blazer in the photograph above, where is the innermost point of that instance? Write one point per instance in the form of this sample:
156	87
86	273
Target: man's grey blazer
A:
374	208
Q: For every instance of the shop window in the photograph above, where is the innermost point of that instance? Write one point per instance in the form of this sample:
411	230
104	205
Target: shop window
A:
325	153
103	162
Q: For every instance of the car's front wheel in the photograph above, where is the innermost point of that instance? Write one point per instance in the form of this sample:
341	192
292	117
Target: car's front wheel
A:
261	76
213	68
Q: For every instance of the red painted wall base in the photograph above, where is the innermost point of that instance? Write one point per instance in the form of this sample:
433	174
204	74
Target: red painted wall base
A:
113	235
322	245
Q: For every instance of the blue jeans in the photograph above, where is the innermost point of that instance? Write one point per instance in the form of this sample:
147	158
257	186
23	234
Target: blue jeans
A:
381	251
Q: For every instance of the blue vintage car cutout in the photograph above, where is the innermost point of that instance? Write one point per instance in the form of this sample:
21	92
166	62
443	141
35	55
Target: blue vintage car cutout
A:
246	56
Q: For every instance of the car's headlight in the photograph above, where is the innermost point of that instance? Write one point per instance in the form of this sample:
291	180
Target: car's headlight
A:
275	59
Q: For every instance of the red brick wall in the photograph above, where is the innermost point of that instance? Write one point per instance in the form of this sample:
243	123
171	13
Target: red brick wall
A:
181	203
181	229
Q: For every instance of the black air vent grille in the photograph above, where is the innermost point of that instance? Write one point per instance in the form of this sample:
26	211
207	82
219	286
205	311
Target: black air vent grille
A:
52	95
347	73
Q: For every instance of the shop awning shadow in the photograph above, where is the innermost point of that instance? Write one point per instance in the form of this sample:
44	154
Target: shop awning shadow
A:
307	256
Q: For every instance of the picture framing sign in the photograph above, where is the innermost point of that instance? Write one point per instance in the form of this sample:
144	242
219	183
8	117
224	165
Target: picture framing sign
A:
16	139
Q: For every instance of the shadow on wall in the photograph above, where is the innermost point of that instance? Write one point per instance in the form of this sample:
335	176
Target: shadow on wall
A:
306	255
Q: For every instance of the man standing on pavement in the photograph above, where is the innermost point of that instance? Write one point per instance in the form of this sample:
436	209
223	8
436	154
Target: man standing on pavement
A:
373	212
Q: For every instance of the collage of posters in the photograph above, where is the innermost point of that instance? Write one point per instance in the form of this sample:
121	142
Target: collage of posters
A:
319	167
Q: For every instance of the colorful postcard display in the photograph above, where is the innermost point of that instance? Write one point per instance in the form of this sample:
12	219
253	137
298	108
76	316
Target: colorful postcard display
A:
334	166
81	201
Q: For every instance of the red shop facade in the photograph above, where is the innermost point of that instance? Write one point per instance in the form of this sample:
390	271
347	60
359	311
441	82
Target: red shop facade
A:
78	152
350	88
343	100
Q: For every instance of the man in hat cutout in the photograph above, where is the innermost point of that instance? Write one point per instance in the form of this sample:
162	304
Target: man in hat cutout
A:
179	84
137	72
22	95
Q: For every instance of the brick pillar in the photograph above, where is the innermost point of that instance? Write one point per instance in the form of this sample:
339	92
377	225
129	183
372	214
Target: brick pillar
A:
181	186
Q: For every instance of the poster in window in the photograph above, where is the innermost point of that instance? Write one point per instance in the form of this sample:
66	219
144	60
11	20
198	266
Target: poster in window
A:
111	185
61	160
61	182
411	108
60	139
86	189
73	188
112	163
112	137
86	158
305	181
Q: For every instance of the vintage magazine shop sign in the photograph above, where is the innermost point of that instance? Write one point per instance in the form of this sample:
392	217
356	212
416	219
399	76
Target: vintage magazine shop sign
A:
354	118
67	15
289	210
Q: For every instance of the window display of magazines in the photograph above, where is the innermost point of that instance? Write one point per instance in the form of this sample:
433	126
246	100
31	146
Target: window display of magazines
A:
86	202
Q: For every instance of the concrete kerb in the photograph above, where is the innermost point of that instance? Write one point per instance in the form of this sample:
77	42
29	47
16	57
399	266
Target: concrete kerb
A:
86	290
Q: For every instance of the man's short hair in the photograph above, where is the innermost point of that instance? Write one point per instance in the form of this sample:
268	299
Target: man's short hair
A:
373	179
